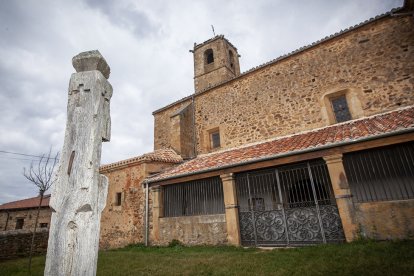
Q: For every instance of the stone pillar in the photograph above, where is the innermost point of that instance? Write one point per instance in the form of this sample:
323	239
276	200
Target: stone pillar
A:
232	209
79	194
157	212
343	195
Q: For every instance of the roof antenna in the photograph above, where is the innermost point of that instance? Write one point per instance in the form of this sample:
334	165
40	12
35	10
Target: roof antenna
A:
214	33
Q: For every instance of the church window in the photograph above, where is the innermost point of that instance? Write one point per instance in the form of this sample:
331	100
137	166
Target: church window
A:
118	199
215	139
341	105
19	223
340	109
43	225
231	56
209	56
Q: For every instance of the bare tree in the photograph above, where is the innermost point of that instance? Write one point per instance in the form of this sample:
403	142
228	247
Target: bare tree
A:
41	174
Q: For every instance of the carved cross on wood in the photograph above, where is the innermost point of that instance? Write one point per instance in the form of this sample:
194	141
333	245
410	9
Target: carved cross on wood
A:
79	195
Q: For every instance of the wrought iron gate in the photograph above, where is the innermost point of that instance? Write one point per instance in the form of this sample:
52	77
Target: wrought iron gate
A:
289	205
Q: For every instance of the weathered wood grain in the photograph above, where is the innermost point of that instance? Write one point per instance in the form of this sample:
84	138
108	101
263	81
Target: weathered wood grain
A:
79	195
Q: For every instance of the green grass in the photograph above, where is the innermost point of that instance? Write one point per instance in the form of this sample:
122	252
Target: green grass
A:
358	258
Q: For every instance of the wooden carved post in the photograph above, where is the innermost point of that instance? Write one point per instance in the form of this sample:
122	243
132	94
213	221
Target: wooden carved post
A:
79	194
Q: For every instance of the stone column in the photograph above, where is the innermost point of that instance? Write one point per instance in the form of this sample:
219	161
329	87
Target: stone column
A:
232	209
343	195
157	212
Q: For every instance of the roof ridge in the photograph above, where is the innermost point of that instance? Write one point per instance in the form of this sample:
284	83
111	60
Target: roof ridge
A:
149	156
20	204
45	196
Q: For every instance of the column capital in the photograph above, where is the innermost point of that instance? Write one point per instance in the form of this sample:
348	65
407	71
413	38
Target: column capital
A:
334	158
227	177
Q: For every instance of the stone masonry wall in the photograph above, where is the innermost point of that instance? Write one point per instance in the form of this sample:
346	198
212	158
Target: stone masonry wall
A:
182	131
194	230
187	132
163	127
222	69
29	216
212	78
375	61
385	220
16	243
125	224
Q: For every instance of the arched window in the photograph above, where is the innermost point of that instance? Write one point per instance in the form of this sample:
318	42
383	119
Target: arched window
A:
209	56
231	59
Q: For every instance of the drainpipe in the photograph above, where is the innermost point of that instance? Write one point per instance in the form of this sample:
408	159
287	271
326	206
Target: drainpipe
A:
146	212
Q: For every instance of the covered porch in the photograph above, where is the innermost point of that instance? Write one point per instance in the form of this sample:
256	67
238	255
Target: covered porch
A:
327	185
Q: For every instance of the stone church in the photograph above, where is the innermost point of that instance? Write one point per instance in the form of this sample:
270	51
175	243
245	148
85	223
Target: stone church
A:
315	146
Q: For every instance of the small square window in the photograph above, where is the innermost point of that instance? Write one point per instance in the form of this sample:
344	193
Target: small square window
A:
118	199
19	223
43	225
215	139
340	109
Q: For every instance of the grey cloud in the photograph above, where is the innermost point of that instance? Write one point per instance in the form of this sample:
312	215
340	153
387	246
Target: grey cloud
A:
126	15
146	44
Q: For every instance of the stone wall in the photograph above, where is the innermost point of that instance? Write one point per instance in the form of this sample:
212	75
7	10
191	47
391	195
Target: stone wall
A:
194	230
182	131
187	132
386	219
125	224
16	243
223	68
163	129
373	64
10	217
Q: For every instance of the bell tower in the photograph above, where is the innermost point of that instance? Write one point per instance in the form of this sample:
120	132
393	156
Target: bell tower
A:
215	61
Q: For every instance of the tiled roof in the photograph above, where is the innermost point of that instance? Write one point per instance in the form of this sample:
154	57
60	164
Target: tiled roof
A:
283	57
26	203
348	132
161	155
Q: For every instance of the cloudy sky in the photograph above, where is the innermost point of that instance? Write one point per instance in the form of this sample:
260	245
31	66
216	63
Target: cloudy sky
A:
146	44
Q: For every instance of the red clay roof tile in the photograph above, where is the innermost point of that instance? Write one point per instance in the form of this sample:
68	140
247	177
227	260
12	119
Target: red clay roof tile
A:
26	203
354	130
161	155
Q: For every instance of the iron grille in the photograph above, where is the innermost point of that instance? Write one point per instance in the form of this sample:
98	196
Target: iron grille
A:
289	205
296	190
381	174
199	197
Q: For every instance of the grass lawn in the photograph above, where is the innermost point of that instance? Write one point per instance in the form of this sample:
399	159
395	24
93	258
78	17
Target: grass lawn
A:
358	258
